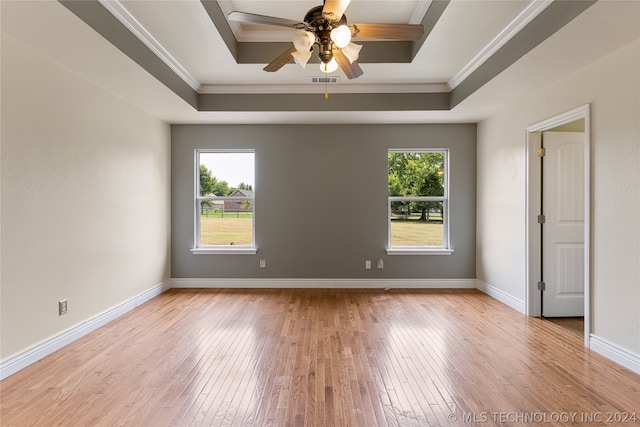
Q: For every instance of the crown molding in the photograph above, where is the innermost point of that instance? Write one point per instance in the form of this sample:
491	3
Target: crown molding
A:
122	14
313	88
525	17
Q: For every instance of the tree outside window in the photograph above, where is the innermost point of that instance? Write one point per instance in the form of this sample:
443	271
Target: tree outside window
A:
417	198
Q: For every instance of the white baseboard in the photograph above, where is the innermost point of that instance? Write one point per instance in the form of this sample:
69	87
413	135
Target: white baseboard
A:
614	352
214	283
25	358
600	345
501	296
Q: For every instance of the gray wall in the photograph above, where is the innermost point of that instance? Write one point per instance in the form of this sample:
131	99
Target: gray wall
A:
321	201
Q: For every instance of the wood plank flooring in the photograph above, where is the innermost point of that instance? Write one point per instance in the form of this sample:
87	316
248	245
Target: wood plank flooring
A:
322	357
575	325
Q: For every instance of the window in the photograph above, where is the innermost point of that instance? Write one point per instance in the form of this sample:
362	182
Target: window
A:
224	201
418	202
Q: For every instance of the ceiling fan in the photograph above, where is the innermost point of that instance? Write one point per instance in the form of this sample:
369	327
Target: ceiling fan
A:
327	27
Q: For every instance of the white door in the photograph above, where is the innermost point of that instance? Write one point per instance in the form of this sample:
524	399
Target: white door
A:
563	229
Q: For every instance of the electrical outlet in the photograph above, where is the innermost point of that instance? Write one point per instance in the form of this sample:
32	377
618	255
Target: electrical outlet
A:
367	264
380	264
62	307
263	263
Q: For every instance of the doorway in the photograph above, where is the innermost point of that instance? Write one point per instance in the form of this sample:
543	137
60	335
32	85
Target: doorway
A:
551	279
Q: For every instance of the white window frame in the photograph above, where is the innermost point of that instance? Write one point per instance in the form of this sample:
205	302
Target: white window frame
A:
220	249
445	249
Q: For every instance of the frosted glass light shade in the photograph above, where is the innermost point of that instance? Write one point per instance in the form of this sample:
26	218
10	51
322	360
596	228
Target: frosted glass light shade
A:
341	36
352	51
329	67
303	40
301	58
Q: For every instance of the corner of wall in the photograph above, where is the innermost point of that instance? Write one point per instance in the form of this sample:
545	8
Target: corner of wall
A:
501	296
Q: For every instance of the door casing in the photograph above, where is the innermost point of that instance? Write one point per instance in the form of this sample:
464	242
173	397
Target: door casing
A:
533	195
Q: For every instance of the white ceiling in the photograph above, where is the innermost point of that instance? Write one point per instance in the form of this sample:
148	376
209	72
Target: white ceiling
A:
466	29
466	34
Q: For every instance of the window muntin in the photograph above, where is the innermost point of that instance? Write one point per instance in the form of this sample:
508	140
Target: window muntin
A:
418	199
225	199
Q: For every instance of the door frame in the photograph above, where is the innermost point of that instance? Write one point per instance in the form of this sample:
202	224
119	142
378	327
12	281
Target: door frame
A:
533	195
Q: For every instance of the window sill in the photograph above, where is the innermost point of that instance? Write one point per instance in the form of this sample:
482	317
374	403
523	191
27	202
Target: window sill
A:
225	251
418	251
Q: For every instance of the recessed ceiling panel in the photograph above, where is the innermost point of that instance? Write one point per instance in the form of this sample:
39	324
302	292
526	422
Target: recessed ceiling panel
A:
184	29
358	11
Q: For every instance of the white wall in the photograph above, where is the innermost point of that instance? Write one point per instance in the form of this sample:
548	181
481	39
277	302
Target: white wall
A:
612	86
85	199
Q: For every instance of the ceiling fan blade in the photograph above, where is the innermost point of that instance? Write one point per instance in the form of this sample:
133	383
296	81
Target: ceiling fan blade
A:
334	9
351	69
253	18
280	61
407	32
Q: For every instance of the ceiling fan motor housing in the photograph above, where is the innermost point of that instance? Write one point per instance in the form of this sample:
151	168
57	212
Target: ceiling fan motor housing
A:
315	18
326	46
322	24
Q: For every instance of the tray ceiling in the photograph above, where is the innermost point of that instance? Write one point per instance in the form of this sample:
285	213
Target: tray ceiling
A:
183	61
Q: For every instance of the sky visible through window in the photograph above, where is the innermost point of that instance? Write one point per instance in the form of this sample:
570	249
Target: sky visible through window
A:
235	168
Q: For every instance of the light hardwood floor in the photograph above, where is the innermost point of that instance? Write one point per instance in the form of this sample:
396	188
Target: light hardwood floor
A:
322	357
575	325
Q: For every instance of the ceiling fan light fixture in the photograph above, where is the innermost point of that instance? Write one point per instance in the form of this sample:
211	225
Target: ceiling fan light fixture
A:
352	51
341	36
329	67
301	58
326	25
303	40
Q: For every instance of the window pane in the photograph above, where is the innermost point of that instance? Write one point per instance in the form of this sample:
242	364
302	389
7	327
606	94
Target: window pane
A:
223	175
224	227
416	174
416	224
223	172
